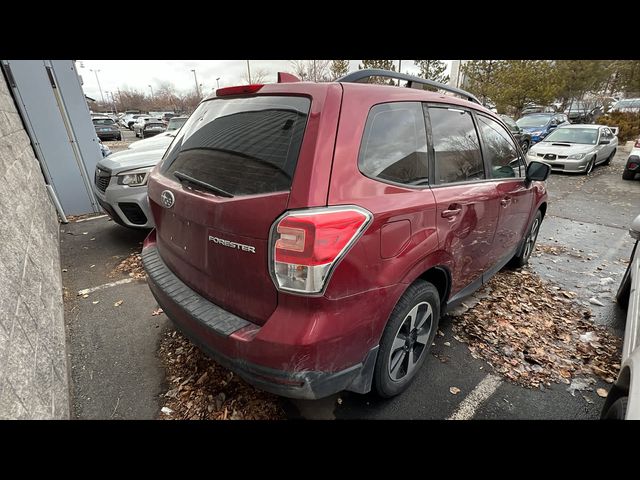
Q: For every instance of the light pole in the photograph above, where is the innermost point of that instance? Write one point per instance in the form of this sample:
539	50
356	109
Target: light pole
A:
97	80
399	69
218	82
151	91
249	72
115	107
196	80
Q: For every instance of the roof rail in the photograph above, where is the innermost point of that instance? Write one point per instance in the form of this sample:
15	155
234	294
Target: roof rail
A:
359	75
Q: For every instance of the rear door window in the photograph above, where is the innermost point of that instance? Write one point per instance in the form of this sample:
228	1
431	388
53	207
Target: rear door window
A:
499	150
394	144
456	146
243	146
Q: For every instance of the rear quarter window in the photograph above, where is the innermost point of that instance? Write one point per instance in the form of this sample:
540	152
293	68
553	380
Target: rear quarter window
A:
394	144
244	146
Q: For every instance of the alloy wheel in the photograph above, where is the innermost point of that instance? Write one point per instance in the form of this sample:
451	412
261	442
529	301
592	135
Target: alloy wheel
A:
410	342
531	239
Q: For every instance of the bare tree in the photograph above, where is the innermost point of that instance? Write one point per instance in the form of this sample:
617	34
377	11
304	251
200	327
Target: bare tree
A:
257	76
312	70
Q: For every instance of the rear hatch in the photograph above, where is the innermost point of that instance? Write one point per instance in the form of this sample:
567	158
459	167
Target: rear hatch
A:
230	170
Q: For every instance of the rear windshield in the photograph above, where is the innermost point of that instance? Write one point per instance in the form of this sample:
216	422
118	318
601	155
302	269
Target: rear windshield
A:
176	123
243	146
102	121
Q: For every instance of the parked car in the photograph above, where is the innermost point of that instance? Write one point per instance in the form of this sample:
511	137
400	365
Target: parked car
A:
539	125
162	140
132	119
120	185
623	401
584	111
538	109
632	166
576	148
312	256
168	116
176	123
627	105
521	136
106	128
148	127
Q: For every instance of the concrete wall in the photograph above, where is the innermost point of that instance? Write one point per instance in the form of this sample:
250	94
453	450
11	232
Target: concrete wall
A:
33	360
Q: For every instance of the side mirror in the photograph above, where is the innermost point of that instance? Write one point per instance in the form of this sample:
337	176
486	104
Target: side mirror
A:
538	171
604	142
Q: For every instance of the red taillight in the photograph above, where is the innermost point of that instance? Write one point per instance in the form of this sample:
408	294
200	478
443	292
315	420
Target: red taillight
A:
632	166
242	89
306	245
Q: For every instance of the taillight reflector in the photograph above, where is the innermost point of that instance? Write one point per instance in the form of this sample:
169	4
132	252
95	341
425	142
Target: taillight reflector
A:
242	89
307	245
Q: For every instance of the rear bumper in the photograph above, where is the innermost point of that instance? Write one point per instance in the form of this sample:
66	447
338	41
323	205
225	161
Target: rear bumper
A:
109	135
269	356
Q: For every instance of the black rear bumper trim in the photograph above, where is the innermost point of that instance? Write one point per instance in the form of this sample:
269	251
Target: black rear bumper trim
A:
216	318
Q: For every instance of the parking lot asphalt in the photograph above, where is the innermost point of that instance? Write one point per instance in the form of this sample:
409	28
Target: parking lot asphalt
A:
116	373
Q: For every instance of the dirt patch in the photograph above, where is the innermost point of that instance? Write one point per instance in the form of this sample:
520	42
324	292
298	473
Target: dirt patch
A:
550	249
200	389
132	266
533	333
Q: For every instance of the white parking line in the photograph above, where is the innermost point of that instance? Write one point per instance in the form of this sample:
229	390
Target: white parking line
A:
470	404
90	218
87	291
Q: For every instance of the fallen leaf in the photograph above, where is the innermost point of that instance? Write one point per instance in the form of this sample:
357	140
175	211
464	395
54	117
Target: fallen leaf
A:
447	344
157	311
86	295
166	410
595	301
602	392
118	303
96	302
64	270
454	390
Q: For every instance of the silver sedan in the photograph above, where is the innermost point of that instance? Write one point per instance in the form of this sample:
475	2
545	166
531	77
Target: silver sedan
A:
623	401
576	148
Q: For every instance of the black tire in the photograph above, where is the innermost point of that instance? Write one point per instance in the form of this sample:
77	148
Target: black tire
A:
529	243
617	410
628	175
590	166
397	359
525	147
610	157
624	290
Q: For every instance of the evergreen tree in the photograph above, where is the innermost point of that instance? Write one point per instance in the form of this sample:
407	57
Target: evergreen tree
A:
432	70
339	68
381	64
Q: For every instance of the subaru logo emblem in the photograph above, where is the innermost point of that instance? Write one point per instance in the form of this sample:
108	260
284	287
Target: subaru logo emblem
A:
167	199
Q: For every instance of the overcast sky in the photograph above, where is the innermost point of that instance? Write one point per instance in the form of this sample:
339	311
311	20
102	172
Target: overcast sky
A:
139	74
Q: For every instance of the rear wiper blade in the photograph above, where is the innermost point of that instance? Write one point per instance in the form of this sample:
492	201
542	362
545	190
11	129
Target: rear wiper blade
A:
186	178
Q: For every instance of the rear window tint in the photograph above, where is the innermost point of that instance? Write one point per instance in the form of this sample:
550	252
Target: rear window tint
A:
394	144
242	145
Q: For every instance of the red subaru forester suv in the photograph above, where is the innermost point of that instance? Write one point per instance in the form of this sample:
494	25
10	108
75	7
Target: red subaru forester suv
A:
309	236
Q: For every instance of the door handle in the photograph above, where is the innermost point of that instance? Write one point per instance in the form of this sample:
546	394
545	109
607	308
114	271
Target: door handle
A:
505	201
451	213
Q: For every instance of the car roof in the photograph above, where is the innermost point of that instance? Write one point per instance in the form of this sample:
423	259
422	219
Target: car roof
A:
378	93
